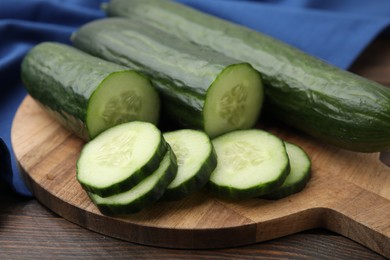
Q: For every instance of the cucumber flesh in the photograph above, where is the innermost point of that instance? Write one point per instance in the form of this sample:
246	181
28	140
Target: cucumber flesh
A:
142	195
233	101
122	97
120	157
196	160
299	175
250	163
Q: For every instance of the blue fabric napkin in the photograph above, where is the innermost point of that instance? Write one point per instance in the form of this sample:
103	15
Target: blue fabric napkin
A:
24	24
334	30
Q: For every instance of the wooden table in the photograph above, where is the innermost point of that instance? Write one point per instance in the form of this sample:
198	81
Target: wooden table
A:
29	230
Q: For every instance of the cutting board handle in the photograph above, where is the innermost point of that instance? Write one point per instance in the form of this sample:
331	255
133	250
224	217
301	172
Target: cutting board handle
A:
360	215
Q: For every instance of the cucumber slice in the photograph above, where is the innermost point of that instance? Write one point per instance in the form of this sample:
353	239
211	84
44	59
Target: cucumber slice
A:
251	163
120	98
142	195
299	175
233	101
120	157
196	160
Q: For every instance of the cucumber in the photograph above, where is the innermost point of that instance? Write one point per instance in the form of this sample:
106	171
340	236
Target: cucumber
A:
86	94
196	160
299	175
201	88
328	103
120	157
251	163
141	196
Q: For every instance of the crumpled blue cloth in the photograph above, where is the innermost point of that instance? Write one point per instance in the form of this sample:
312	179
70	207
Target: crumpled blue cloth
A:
334	30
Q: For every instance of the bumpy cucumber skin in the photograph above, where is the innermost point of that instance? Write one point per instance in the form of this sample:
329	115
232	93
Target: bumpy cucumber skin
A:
133	179
197	182
181	71
287	190
333	105
147	199
62	79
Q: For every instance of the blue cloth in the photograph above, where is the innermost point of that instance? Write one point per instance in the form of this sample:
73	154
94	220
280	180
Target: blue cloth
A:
334	30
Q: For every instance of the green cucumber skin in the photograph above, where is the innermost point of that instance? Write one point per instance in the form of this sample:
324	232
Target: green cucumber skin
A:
232	193
197	182
147	199
181	72
333	105
287	190
52	72
133	179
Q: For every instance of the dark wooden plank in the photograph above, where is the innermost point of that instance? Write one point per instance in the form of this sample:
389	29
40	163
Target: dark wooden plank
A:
29	230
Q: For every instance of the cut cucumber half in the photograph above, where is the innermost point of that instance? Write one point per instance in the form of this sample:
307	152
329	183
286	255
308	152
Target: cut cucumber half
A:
87	95
196	160
251	163
233	101
142	195
120	157
120	98
299	175
200	88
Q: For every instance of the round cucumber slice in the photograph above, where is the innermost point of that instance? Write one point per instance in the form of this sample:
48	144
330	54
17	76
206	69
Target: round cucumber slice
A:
122	97
299	175
196	160
142	195
234	100
120	158
250	163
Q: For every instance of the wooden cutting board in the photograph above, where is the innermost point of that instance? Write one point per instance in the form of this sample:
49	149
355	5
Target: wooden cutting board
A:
349	193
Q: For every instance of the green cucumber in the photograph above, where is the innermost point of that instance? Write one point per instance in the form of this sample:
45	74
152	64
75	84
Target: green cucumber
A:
299	175
120	157
86	94
331	104
144	194
196	160
251	163
200	88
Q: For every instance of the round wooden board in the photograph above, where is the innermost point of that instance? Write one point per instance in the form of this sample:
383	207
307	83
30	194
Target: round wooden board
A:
348	193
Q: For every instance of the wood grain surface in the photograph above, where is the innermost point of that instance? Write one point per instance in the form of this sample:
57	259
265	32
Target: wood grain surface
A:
342	195
348	194
31	231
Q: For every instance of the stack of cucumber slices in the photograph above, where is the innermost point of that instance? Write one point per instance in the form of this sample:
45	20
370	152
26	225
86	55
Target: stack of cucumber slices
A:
133	165
255	163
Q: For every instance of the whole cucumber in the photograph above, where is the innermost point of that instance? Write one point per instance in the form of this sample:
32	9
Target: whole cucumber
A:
331	104
200	88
